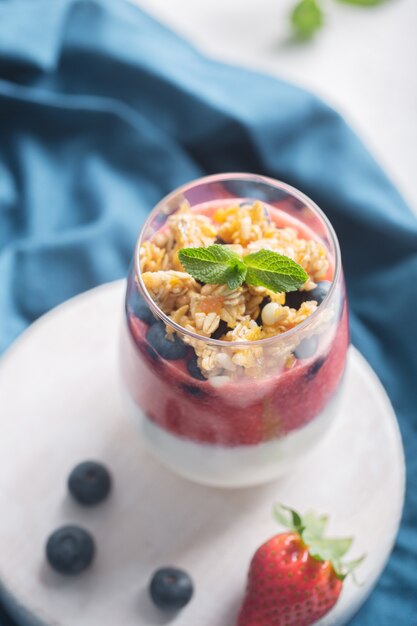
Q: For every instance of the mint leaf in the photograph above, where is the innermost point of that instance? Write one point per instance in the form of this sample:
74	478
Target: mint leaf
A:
274	271
218	265
215	265
306	18
235	275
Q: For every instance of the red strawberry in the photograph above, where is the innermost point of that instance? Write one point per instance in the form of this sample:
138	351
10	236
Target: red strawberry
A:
296	577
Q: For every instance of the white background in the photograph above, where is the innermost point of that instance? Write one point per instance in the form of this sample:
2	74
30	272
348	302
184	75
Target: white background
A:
363	62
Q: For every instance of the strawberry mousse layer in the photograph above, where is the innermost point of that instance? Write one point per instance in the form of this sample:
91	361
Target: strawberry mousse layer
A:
241	412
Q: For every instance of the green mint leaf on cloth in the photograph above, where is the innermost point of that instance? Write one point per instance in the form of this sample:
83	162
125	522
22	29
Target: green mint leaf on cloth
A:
214	265
306	18
274	271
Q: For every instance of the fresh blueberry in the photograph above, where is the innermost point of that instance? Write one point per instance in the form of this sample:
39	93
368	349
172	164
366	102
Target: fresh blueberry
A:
194	370
89	483
219	241
193	390
307	347
140	309
70	550
294	299
171	588
151	352
320	291
221	330
315	368
261	306
171	349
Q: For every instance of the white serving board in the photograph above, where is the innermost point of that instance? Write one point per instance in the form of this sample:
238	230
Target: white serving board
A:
60	403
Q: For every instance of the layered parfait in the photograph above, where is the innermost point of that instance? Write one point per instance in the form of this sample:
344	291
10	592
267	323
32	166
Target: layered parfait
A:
237	329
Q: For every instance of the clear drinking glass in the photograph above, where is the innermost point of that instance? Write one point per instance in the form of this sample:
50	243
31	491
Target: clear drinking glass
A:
238	428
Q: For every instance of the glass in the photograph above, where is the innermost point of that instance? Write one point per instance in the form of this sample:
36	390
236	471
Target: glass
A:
247	426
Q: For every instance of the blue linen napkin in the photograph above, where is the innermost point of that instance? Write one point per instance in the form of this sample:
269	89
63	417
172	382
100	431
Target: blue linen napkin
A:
103	111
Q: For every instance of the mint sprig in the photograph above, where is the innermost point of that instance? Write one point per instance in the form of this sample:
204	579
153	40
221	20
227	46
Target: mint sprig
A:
215	265
219	265
274	271
307	16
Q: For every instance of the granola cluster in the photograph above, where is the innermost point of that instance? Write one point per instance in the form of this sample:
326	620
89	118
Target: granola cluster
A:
230	315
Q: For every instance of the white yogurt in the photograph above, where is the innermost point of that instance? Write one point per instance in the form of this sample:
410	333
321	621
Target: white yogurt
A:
238	466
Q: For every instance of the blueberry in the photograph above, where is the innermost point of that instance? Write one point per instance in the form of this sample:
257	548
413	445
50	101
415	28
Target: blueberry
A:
307	347
151	352
219	241
315	368
171	349
171	588
197	392
70	550
294	299
140	309
320	291
89	483
194	370
261	306
221	330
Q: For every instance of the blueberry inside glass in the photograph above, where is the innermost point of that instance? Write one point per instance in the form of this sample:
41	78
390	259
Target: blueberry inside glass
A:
233	386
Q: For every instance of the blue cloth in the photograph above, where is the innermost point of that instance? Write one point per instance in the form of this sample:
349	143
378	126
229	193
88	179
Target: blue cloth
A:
103	111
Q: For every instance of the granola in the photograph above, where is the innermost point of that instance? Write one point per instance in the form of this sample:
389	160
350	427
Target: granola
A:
245	314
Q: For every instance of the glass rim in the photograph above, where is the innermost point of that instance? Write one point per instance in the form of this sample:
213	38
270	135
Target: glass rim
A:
272	183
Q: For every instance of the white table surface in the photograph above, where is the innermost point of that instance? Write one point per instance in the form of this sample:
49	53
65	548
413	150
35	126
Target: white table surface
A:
363	62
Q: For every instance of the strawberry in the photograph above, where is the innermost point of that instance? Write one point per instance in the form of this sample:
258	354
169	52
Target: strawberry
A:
296	577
